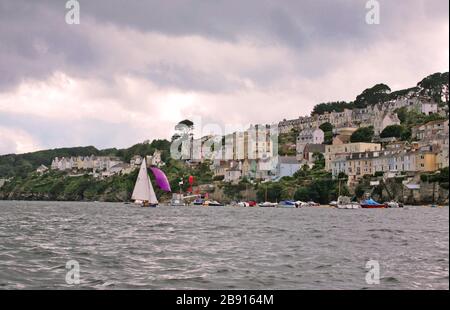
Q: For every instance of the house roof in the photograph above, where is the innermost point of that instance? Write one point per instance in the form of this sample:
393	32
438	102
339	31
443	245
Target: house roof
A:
313	148
309	131
432	123
289	160
343	138
121	165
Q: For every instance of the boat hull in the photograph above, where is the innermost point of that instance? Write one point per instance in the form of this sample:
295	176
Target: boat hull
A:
149	206
348	206
267	205
373	206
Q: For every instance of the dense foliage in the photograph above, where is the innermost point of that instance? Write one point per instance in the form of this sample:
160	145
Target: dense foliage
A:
362	134
338	106
435	86
396	131
371	96
22	164
327	129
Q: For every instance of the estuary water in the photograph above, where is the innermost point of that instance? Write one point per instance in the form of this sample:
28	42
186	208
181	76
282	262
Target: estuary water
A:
123	247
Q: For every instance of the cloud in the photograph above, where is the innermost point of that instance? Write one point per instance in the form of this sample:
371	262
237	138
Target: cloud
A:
15	140
126	74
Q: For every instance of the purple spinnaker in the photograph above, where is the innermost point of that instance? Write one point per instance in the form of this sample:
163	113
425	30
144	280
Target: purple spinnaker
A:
161	179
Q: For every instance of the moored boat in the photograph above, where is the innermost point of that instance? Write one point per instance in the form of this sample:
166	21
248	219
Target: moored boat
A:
372	204
198	202
247	204
393	204
252	203
301	204
286	204
177	200
212	203
345	202
268	204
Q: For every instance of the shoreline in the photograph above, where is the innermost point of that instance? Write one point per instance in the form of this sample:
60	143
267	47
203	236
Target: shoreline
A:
323	206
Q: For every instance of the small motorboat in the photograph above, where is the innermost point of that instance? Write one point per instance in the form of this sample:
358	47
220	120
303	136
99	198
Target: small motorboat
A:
247	204
393	204
198	202
352	205
345	202
372	204
252	203
286	204
268	204
301	204
212	203
177	203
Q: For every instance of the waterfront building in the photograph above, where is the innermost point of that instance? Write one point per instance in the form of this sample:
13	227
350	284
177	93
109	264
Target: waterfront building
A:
234	173
331	151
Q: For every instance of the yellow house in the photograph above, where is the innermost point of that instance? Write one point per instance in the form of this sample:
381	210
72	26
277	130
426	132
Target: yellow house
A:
359	165
332	150
426	161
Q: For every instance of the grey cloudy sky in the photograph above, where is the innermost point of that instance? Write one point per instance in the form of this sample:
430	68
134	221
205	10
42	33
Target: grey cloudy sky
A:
132	69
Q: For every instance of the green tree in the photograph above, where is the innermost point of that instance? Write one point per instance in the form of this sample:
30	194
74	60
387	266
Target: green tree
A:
435	86
363	134
371	96
359	191
392	131
406	134
338	106
326	127
274	192
302	194
319	161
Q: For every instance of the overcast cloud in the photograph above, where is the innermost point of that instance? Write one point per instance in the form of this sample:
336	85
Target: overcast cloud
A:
132	69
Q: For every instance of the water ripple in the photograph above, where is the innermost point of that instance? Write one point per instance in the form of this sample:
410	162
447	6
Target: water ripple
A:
120	247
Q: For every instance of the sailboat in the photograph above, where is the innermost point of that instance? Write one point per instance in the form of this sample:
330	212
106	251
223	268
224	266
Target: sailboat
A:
143	192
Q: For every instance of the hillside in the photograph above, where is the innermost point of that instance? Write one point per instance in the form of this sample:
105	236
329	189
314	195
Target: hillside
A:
22	164
435	86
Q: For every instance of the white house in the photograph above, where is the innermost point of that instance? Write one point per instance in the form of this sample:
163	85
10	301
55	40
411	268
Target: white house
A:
308	136
311	135
42	169
385	120
121	168
233	175
287	166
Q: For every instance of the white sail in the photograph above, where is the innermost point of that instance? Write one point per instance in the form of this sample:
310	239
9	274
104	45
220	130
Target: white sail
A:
143	190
